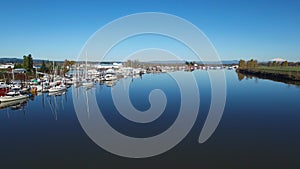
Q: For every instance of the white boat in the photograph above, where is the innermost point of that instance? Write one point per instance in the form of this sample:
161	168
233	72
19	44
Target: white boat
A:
53	83
57	88
13	103
109	77
12	96
16	87
25	89
69	82
101	78
59	93
45	89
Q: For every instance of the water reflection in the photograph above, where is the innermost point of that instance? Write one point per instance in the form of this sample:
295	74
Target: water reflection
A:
111	83
14	105
264	116
55	101
242	76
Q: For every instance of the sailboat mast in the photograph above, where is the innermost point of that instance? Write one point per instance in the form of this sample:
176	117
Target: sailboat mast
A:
85	65
53	72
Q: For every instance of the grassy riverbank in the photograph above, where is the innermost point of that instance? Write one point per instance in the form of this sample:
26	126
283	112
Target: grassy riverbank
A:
273	72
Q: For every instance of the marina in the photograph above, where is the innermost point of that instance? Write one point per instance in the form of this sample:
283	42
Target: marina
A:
82	75
149	84
47	122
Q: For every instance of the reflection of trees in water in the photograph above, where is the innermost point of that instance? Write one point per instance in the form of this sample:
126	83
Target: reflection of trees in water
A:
249	76
240	76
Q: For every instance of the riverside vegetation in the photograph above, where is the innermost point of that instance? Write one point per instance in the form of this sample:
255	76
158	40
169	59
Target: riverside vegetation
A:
288	72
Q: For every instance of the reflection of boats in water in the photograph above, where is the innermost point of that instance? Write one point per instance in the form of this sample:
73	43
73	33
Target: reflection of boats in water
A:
16	104
110	83
58	93
77	84
12	96
57	89
54	106
88	83
110	76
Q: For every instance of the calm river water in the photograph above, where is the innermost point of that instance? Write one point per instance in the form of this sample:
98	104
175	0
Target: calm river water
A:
260	127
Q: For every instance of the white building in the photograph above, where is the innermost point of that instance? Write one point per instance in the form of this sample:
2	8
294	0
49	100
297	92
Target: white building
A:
8	65
110	66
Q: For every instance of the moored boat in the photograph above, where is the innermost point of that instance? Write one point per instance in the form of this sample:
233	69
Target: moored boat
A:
109	77
13	103
12	96
3	89
57	88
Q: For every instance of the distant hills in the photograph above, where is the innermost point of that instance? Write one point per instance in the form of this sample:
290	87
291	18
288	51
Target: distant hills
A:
10	60
18	60
226	62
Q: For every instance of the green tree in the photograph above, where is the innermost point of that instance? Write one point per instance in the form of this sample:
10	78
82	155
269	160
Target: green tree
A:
255	63
67	65
249	63
18	65
274	63
186	62
25	62
252	63
285	64
270	63
28	62
242	64
72	62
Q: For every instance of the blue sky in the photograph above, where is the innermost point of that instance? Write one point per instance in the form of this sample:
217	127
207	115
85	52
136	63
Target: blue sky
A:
51	29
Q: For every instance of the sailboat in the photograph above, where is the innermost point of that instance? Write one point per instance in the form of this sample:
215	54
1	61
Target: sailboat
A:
87	82
12	96
57	88
110	75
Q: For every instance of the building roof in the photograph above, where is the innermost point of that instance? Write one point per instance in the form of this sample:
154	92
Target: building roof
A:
21	70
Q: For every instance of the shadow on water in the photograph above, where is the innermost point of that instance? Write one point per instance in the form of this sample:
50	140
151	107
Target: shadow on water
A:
242	76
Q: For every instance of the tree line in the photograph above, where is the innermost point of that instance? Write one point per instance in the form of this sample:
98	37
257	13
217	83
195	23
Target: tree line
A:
248	64
44	67
254	63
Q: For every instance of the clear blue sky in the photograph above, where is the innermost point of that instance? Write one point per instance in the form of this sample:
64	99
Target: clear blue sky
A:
53	29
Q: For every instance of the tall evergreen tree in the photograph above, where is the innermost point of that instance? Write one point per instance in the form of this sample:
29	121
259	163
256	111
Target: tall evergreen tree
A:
28	63
25	62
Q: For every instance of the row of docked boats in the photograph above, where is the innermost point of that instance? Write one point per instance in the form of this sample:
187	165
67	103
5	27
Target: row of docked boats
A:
13	96
17	90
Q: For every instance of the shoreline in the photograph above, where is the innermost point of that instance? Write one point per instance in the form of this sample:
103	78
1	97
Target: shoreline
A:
285	76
